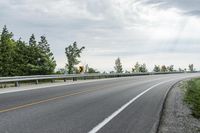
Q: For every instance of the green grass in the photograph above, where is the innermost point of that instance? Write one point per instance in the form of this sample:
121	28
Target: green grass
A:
192	96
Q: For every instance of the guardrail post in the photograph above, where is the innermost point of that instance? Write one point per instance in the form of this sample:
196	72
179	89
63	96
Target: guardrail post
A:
74	79
37	82
16	84
84	78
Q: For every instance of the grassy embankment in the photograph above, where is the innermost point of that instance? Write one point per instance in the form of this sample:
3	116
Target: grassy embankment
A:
192	96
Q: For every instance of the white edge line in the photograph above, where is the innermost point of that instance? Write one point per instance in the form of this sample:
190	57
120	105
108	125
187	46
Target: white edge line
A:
108	119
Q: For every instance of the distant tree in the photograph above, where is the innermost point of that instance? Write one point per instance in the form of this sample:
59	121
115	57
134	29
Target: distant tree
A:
127	72
32	41
191	67
118	66
170	68
163	68
156	68
136	67
143	68
61	71
92	70
111	72
139	67
180	70
73	53
104	72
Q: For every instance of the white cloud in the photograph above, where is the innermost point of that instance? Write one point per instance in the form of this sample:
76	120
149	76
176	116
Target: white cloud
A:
135	30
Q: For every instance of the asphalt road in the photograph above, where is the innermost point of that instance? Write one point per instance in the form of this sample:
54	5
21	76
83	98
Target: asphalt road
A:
122	105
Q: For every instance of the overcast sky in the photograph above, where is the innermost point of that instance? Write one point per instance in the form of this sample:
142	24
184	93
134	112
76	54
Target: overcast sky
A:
149	31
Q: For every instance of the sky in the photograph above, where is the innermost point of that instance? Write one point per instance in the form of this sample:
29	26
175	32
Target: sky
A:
162	32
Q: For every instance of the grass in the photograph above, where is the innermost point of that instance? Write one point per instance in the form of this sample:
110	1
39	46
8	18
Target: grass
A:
192	96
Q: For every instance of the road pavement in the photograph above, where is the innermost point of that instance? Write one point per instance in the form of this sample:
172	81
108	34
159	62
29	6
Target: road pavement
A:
120	105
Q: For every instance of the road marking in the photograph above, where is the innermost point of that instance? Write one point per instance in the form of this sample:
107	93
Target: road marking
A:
108	119
46	100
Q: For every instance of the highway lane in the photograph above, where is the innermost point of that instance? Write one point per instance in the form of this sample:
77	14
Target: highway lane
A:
83	107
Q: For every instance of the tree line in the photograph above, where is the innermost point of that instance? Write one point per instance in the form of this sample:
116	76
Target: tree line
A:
143	68
19	58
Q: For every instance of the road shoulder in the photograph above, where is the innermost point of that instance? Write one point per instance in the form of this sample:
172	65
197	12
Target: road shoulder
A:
176	117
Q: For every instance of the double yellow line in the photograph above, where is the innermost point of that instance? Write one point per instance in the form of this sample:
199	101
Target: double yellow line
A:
46	100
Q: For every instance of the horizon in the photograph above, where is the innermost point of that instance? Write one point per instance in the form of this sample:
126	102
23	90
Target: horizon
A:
145	31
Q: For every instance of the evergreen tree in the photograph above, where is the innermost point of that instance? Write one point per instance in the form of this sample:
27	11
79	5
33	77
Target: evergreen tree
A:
34	55
46	62
6	53
73	53
136	67
21	58
118	66
17	58
32	41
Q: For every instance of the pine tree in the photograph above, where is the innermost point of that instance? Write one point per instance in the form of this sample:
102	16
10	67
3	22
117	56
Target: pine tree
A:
118	66
47	60
6	53
21	58
32	41
33	57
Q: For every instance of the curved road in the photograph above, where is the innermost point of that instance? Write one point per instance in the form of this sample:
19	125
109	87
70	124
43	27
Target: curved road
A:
121	105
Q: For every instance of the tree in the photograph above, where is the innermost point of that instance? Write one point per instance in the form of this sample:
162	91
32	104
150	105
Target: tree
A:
18	59
136	67
92	70
7	45
34	56
46	60
143	68
73	53
32	41
156	68
139	68
21	58
180	70
191	67
118	66
163	68
170	68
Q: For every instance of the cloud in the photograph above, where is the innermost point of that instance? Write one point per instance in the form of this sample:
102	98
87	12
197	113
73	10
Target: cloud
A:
108	28
189	7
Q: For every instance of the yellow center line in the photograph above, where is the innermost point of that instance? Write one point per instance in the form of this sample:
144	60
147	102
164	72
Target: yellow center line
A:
43	101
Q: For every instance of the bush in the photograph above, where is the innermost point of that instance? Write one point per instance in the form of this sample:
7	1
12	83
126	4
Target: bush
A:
192	96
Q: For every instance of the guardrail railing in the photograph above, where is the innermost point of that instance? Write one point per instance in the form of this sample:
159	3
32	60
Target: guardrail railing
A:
17	79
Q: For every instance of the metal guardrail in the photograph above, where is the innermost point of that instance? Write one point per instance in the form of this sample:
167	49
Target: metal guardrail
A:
74	77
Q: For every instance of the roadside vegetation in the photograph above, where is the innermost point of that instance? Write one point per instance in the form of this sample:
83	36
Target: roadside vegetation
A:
192	96
21	58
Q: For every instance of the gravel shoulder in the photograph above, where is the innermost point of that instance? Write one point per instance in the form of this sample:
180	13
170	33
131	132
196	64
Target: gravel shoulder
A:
177	116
